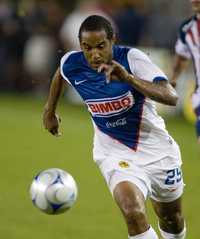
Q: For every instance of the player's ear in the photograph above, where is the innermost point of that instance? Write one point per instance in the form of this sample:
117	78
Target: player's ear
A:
81	45
114	39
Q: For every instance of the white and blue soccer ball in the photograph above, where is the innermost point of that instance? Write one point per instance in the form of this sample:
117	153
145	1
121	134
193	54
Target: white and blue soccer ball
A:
53	191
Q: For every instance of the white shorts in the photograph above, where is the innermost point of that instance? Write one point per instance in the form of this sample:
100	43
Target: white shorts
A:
160	180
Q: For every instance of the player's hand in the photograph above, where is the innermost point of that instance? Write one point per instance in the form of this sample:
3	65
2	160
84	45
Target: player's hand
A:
114	71
51	123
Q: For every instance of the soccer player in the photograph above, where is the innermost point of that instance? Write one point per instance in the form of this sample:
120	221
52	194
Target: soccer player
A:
187	47
132	148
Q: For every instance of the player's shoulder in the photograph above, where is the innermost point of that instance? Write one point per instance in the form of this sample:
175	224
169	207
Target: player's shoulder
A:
71	58
120	53
137	54
129	53
69	64
185	27
187	23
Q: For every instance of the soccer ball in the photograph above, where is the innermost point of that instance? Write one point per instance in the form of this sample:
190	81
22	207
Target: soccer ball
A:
53	191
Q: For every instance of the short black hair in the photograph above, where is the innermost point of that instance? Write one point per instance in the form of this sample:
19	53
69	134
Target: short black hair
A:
96	23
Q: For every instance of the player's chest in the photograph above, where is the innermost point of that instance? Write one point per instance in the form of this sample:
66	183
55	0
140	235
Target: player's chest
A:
193	39
95	86
105	99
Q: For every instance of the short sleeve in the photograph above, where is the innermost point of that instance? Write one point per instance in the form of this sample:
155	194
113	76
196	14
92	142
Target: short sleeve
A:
63	65
143	68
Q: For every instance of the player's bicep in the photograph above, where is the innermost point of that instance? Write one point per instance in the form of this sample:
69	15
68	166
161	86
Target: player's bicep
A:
57	76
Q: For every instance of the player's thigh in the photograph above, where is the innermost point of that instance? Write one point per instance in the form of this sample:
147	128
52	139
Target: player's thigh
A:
131	202
129	197
129	186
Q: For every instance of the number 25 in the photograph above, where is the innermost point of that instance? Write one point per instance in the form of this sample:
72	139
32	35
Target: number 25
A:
173	176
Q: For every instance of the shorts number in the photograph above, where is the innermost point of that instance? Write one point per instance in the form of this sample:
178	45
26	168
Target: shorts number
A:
173	176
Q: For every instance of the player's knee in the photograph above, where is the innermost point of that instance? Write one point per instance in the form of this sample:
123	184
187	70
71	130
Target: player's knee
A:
135	215
175	221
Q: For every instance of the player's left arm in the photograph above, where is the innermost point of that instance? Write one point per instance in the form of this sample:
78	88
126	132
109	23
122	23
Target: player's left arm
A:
160	91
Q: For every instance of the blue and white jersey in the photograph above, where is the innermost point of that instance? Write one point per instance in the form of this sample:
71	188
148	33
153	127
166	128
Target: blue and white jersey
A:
119	112
188	46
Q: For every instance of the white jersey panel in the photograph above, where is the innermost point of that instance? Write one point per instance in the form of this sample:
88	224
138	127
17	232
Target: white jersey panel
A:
143	68
155	147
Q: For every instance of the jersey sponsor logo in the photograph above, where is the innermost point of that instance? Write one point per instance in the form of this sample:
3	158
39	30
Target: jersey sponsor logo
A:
79	82
110	106
119	122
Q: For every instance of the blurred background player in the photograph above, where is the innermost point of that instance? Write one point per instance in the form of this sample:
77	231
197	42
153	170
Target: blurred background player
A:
132	148
188	47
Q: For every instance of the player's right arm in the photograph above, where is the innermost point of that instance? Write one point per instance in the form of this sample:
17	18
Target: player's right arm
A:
180	65
182	57
50	119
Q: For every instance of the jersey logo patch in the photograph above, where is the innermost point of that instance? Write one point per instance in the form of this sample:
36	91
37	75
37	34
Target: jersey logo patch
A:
124	164
110	106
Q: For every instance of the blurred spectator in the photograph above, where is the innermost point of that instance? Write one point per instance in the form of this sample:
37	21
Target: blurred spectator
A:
163	21
13	37
38	61
130	21
29	42
35	33
44	20
70	28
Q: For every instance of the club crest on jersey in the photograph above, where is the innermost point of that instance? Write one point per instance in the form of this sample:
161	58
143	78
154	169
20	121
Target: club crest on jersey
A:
107	107
124	164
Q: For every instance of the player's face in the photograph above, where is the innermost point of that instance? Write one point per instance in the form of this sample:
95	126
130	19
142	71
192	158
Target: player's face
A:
97	48
195	5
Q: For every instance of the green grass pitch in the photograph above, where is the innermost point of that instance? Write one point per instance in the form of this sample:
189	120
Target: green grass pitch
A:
26	148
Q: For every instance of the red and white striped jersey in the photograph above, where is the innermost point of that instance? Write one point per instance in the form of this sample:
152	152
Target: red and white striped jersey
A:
188	46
